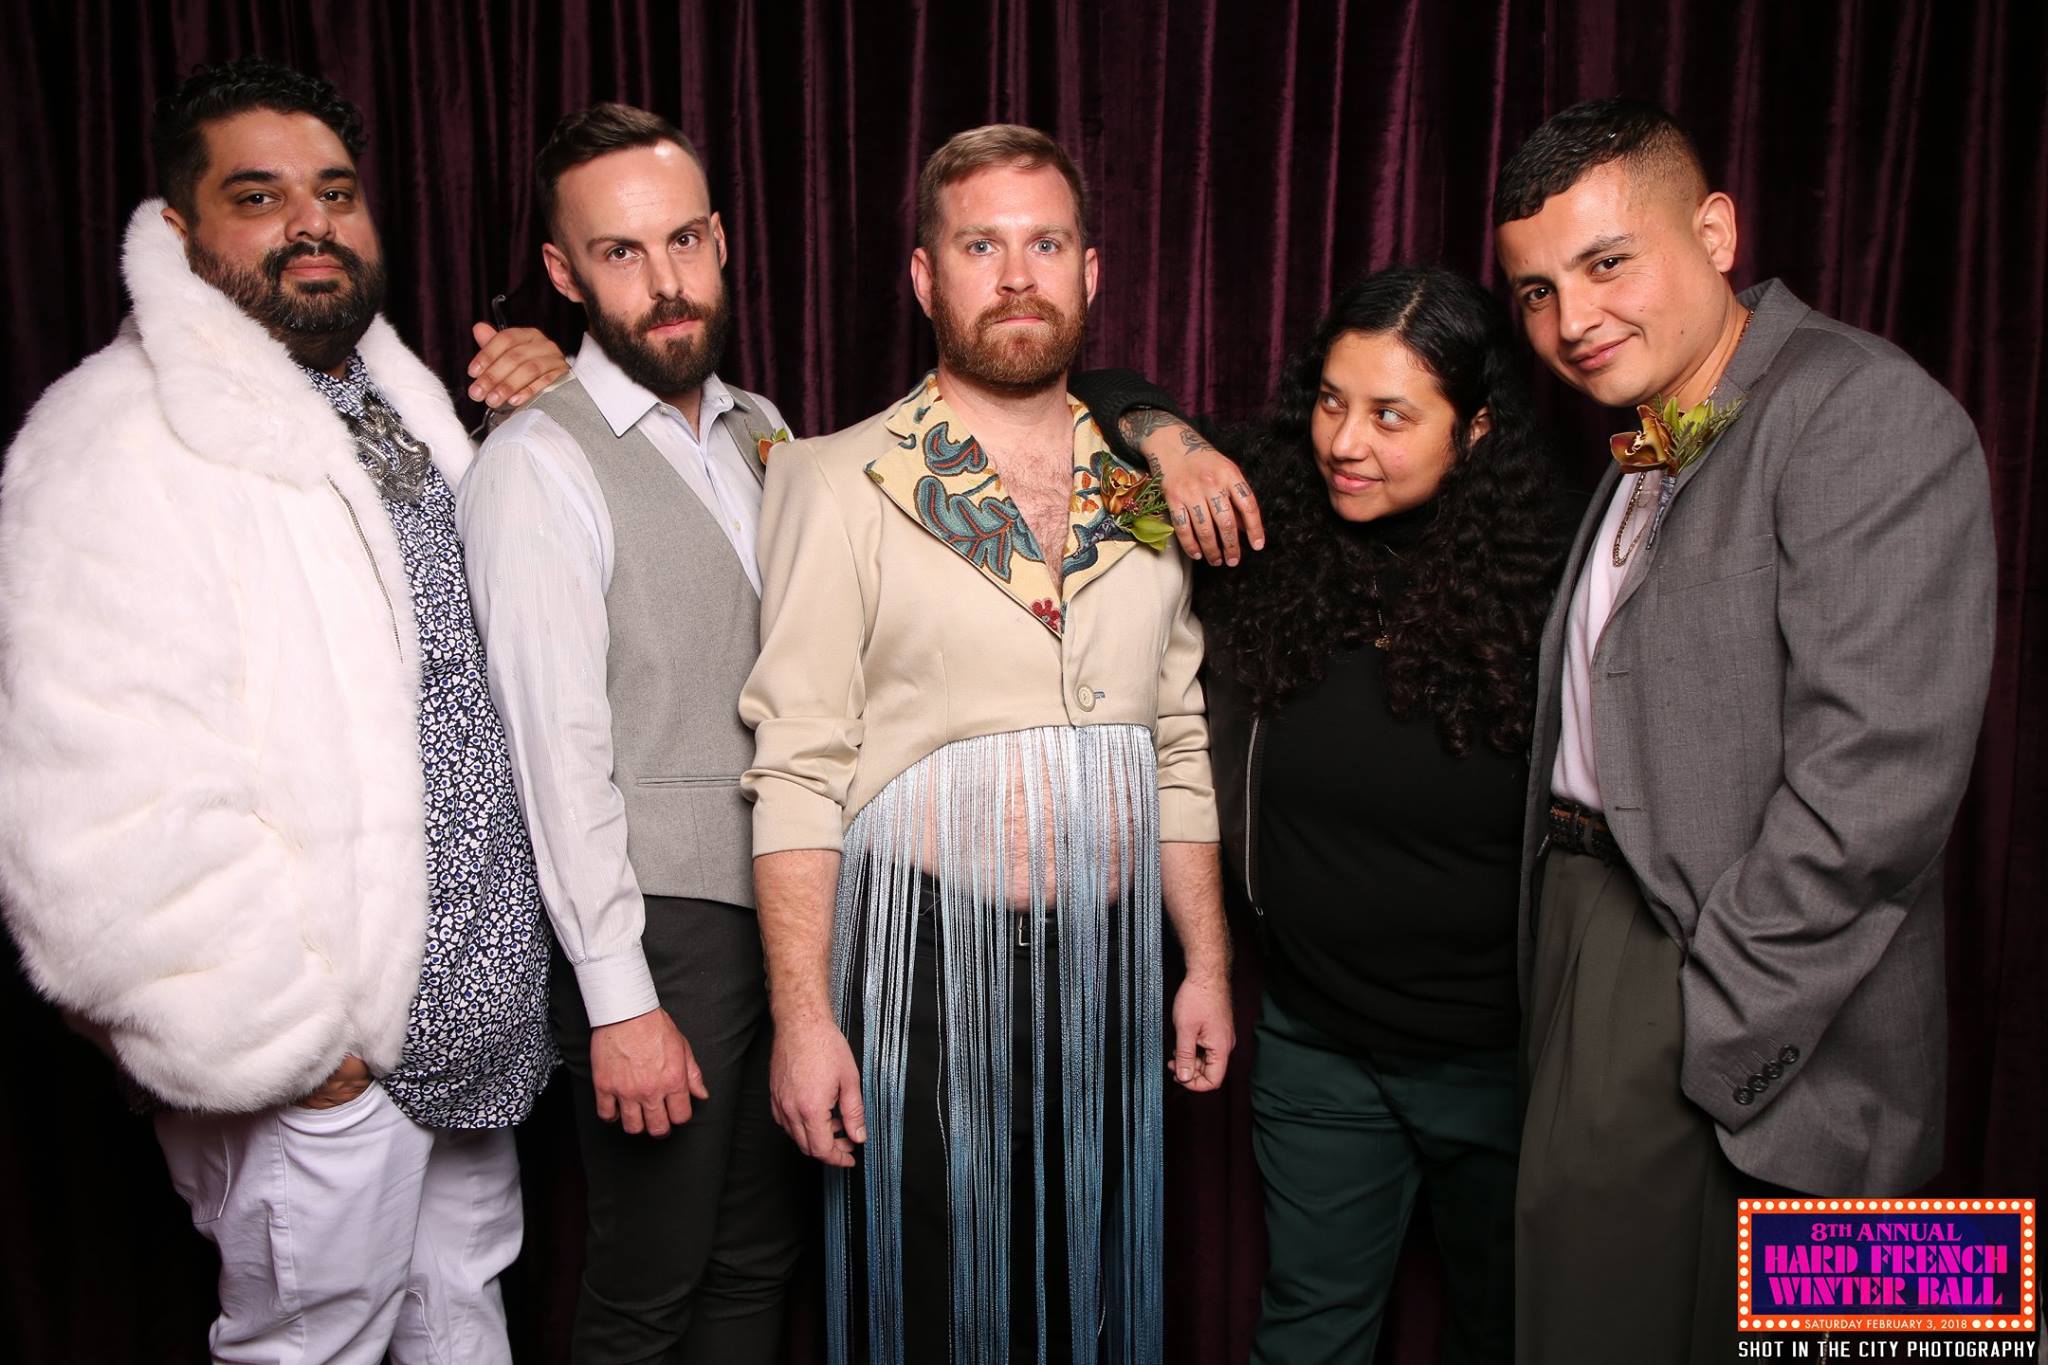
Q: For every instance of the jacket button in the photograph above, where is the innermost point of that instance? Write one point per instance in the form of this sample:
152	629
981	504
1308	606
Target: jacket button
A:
1744	1095
1084	697
1789	1056
1759	1082
1773	1070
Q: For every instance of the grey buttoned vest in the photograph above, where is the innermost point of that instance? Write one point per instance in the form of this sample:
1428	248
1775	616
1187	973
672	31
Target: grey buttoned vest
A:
685	626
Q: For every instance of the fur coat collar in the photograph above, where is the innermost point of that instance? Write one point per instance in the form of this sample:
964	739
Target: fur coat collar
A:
232	393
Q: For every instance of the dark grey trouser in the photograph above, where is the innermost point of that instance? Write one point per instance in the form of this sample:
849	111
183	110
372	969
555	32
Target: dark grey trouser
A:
692	1238
1625	1207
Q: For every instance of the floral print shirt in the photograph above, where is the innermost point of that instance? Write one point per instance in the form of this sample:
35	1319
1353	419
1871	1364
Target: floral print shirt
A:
478	1049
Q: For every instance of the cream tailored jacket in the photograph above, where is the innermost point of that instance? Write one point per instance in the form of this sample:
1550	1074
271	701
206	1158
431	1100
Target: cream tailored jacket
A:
906	605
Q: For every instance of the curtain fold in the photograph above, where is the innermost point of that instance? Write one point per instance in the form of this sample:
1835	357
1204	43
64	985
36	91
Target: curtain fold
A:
1889	159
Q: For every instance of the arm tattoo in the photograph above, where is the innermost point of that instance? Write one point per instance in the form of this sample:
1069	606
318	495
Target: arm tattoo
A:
1139	423
1194	441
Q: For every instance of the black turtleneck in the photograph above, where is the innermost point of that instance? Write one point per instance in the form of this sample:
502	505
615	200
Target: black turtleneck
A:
1387	866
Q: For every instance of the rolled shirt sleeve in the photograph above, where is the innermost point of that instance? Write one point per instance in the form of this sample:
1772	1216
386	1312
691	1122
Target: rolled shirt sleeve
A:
807	695
1187	796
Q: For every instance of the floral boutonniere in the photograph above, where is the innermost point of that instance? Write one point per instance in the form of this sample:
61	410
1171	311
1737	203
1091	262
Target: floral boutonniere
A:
764	444
1670	441
1136	502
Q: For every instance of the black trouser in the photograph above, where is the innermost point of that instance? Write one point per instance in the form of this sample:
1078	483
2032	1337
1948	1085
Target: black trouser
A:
692	1237
927	1264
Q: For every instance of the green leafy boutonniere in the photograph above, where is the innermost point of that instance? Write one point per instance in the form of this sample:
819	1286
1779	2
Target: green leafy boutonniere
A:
1670	441
764	444
1137	503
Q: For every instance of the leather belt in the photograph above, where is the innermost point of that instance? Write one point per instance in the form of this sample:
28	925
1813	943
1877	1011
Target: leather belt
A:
1020	919
1580	829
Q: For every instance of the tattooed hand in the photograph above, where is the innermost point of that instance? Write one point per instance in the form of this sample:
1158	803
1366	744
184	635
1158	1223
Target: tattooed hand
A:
1212	506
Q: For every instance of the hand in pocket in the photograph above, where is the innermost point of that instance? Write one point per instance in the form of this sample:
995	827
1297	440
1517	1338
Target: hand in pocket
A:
349	1081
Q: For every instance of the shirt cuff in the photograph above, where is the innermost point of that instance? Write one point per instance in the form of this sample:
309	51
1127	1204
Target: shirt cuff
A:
616	986
1187	816
788	816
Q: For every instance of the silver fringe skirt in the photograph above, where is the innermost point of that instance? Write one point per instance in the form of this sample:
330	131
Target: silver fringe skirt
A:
1062	822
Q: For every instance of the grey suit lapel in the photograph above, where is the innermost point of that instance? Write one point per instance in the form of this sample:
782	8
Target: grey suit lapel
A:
1549	715
1550	672
1775	314
1645	554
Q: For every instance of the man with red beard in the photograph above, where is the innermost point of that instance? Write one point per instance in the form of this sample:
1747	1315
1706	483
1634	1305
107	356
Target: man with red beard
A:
611	529
980	768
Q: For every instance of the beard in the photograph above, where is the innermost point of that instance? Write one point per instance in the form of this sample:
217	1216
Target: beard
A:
672	366
1025	362
319	322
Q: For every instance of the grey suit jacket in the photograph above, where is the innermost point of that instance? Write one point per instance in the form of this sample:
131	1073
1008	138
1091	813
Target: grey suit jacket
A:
1786	702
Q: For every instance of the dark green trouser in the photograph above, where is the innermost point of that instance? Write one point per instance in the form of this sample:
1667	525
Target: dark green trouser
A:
1344	1143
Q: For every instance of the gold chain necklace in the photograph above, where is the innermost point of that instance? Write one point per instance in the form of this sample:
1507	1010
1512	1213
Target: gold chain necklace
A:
1619	555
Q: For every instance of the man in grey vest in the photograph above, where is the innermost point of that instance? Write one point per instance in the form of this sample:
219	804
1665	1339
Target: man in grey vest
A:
610	529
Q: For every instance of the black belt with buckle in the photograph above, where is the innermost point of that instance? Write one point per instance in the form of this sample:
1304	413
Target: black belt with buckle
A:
1580	829
1020	919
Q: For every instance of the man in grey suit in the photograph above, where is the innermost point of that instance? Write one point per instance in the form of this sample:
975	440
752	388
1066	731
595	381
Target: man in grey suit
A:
1758	698
611	534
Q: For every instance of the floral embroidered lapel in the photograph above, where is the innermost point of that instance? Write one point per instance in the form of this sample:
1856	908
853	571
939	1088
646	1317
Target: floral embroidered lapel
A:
942	478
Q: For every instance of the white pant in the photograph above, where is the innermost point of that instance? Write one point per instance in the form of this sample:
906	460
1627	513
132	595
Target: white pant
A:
347	1232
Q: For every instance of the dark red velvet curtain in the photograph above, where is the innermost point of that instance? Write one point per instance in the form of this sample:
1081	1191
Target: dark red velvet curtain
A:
1890	160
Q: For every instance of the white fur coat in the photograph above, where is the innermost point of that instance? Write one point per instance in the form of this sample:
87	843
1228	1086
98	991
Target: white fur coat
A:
212	836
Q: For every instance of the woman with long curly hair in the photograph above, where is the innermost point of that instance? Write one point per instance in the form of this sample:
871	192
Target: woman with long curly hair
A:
1371	681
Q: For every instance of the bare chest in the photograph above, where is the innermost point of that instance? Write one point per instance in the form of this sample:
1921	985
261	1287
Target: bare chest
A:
1041	483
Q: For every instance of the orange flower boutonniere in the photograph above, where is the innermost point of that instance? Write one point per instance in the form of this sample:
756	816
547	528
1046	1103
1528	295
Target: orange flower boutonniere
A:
1671	441
1136	502
1123	485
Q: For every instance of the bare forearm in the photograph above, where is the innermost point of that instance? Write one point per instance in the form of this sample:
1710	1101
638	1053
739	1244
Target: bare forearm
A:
1191	883
794	891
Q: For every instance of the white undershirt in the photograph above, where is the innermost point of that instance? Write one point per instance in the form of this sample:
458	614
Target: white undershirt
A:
1576	773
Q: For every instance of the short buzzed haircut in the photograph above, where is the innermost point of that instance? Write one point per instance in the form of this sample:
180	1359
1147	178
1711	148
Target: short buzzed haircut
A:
1588	136
977	149
177	133
588	134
